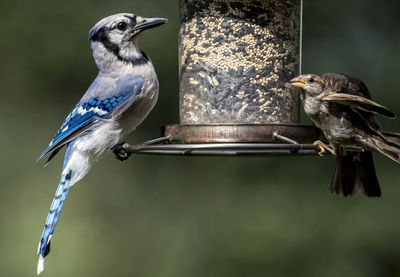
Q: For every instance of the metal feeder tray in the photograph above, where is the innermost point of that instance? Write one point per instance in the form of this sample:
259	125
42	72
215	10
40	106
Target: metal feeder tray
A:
173	146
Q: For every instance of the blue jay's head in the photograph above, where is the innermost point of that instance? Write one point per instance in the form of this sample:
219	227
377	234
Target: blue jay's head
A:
116	37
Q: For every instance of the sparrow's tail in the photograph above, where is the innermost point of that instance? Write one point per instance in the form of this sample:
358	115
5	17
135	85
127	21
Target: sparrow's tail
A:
52	218
353	172
388	145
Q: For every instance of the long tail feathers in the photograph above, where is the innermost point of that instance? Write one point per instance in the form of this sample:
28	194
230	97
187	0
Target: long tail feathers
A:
52	219
366	174
343	180
353	172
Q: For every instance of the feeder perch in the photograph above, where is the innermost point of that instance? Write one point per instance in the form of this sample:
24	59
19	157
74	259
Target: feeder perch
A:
235	60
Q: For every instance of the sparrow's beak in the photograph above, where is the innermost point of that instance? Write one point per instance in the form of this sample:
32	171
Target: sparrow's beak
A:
144	23
297	82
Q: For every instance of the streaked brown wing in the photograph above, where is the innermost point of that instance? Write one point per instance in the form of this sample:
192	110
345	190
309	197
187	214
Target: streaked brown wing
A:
359	103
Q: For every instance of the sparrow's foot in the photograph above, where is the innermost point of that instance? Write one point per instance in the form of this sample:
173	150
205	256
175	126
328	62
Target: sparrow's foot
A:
119	151
322	148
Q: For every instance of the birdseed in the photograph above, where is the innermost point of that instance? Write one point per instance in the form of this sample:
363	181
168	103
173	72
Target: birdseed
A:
236	57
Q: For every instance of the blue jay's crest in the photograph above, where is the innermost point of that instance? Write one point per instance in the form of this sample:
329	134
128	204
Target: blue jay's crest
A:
86	114
107	20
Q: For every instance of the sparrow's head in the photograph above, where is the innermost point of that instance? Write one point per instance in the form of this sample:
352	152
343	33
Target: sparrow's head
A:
310	83
116	37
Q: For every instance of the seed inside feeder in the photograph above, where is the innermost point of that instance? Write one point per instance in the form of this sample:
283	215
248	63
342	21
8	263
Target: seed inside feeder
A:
235	59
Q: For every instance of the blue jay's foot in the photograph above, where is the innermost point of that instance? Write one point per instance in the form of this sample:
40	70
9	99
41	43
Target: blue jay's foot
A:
119	151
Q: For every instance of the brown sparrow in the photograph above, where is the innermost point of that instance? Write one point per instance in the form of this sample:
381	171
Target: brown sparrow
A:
341	106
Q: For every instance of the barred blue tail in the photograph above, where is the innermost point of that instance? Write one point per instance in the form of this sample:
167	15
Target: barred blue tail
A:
52	219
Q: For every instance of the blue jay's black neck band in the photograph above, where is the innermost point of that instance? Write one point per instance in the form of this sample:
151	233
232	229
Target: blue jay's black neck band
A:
141	60
144	57
102	37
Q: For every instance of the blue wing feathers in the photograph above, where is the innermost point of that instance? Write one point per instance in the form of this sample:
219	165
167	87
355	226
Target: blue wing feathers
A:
92	108
95	105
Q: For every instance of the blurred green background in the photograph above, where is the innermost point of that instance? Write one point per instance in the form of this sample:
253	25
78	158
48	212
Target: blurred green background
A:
187	216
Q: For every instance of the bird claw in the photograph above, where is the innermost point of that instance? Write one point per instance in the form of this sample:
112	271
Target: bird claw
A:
322	148
119	151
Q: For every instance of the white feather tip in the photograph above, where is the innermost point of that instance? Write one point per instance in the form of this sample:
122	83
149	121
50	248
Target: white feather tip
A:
40	266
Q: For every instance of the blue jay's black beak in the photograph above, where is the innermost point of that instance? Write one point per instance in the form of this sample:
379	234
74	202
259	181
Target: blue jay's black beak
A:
148	23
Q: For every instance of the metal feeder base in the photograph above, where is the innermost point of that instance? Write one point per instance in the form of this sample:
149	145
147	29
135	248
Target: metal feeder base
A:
229	140
173	147
243	133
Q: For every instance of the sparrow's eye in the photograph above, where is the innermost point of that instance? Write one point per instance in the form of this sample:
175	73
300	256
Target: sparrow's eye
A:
311	80
121	25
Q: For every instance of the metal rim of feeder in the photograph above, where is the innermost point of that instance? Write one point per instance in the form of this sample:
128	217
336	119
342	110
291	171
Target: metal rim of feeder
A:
168	146
235	59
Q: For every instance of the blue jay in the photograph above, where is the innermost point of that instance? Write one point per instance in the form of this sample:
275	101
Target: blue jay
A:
122	95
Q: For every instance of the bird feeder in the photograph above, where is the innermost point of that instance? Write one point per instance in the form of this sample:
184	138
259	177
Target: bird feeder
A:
235	60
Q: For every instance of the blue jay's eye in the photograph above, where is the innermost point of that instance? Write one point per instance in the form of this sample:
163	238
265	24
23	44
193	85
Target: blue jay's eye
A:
311	80
121	25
